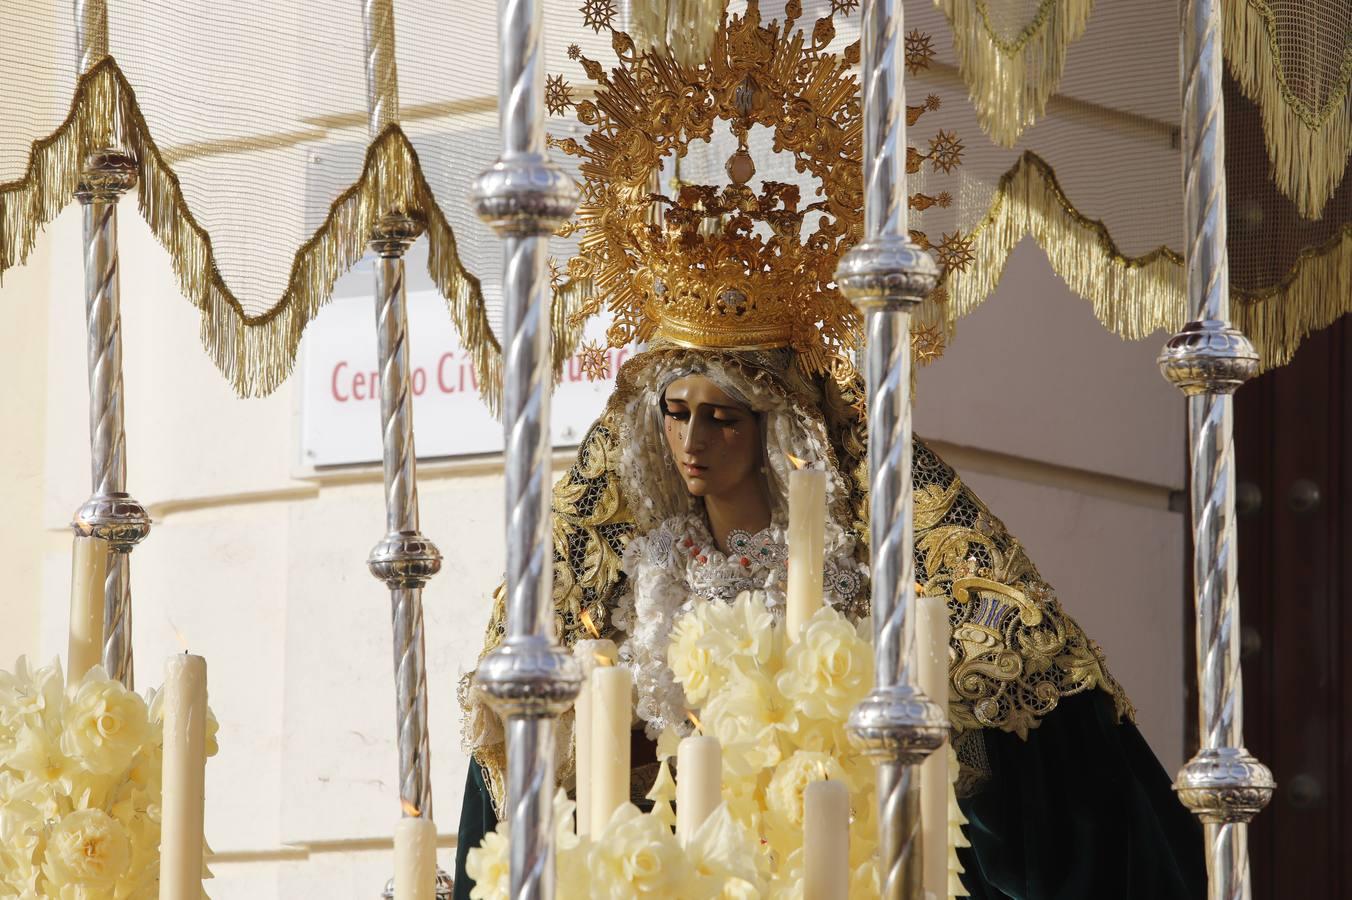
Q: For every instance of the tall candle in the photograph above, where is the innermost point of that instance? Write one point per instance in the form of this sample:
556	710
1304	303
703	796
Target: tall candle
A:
826	841
590	654
932	637
807	536
415	859
612	690
184	777
89	563
699	783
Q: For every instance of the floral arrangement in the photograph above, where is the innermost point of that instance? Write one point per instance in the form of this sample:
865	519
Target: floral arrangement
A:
779	711
79	786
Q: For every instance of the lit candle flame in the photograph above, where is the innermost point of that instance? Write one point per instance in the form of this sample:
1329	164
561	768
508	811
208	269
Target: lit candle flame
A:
797	463
694	720
591	626
409	808
603	660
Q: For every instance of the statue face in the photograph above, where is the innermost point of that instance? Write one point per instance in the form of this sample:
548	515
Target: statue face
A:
715	441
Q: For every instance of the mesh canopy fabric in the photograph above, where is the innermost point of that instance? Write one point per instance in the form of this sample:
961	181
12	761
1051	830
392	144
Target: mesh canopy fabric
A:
258	171
249	122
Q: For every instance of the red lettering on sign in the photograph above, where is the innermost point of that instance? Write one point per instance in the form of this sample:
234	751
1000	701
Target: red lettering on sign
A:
419	380
446	388
358	385
333	383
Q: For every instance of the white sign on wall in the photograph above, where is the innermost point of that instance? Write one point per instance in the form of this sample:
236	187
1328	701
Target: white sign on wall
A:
340	387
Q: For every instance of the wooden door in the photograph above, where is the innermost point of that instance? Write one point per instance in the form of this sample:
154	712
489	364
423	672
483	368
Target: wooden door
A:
1293	430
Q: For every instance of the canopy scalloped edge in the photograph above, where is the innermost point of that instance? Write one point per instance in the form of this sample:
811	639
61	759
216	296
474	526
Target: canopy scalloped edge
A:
257	353
1308	148
1135	296
1009	82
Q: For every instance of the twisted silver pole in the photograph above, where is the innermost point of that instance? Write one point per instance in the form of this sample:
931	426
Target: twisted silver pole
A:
110	514
404	559
1209	360
382	75
529	680
886	275
91	33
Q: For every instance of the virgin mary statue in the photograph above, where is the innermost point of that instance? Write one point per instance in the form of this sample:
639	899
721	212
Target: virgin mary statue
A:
678	496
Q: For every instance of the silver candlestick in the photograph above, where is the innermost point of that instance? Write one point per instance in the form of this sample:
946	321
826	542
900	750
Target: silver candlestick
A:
1209	360
110	514
886	276
528	679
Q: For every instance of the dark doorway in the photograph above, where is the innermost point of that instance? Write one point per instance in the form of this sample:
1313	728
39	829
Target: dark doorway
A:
1293	434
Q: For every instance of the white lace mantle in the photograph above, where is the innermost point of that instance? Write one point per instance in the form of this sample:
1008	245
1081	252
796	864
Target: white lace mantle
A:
677	565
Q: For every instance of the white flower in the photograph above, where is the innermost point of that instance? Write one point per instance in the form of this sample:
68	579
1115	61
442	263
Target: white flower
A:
87	848
747	718
829	670
105	724
722	852
690	656
487	865
636	856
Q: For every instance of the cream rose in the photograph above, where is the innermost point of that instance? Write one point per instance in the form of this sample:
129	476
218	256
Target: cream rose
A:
691	659
747	719
87	848
829	670
636	856
487	865
105	724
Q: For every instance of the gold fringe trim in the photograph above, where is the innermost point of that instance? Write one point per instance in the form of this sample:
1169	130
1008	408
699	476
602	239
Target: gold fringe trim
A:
686	27
1316	291
257	353
1009	82
1135	296
1308	148
1132	296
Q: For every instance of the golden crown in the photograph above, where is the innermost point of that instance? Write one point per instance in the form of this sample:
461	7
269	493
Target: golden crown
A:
723	267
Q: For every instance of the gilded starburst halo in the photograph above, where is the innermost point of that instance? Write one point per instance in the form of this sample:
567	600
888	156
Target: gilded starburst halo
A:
592	359
844	7
596	14
919	50
558	95
574	51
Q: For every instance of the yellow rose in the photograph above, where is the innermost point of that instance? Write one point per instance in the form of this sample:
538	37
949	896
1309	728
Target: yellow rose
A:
30	695
690	657
747	716
722	852
87	849
104	724
748	638
864	883
636	856
829	670
784	796
487	865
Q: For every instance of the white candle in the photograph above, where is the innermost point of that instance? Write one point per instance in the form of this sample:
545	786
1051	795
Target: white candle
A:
612	688
826	841
590	654
89	564
932	637
807	535
415	859
184	777
699	783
